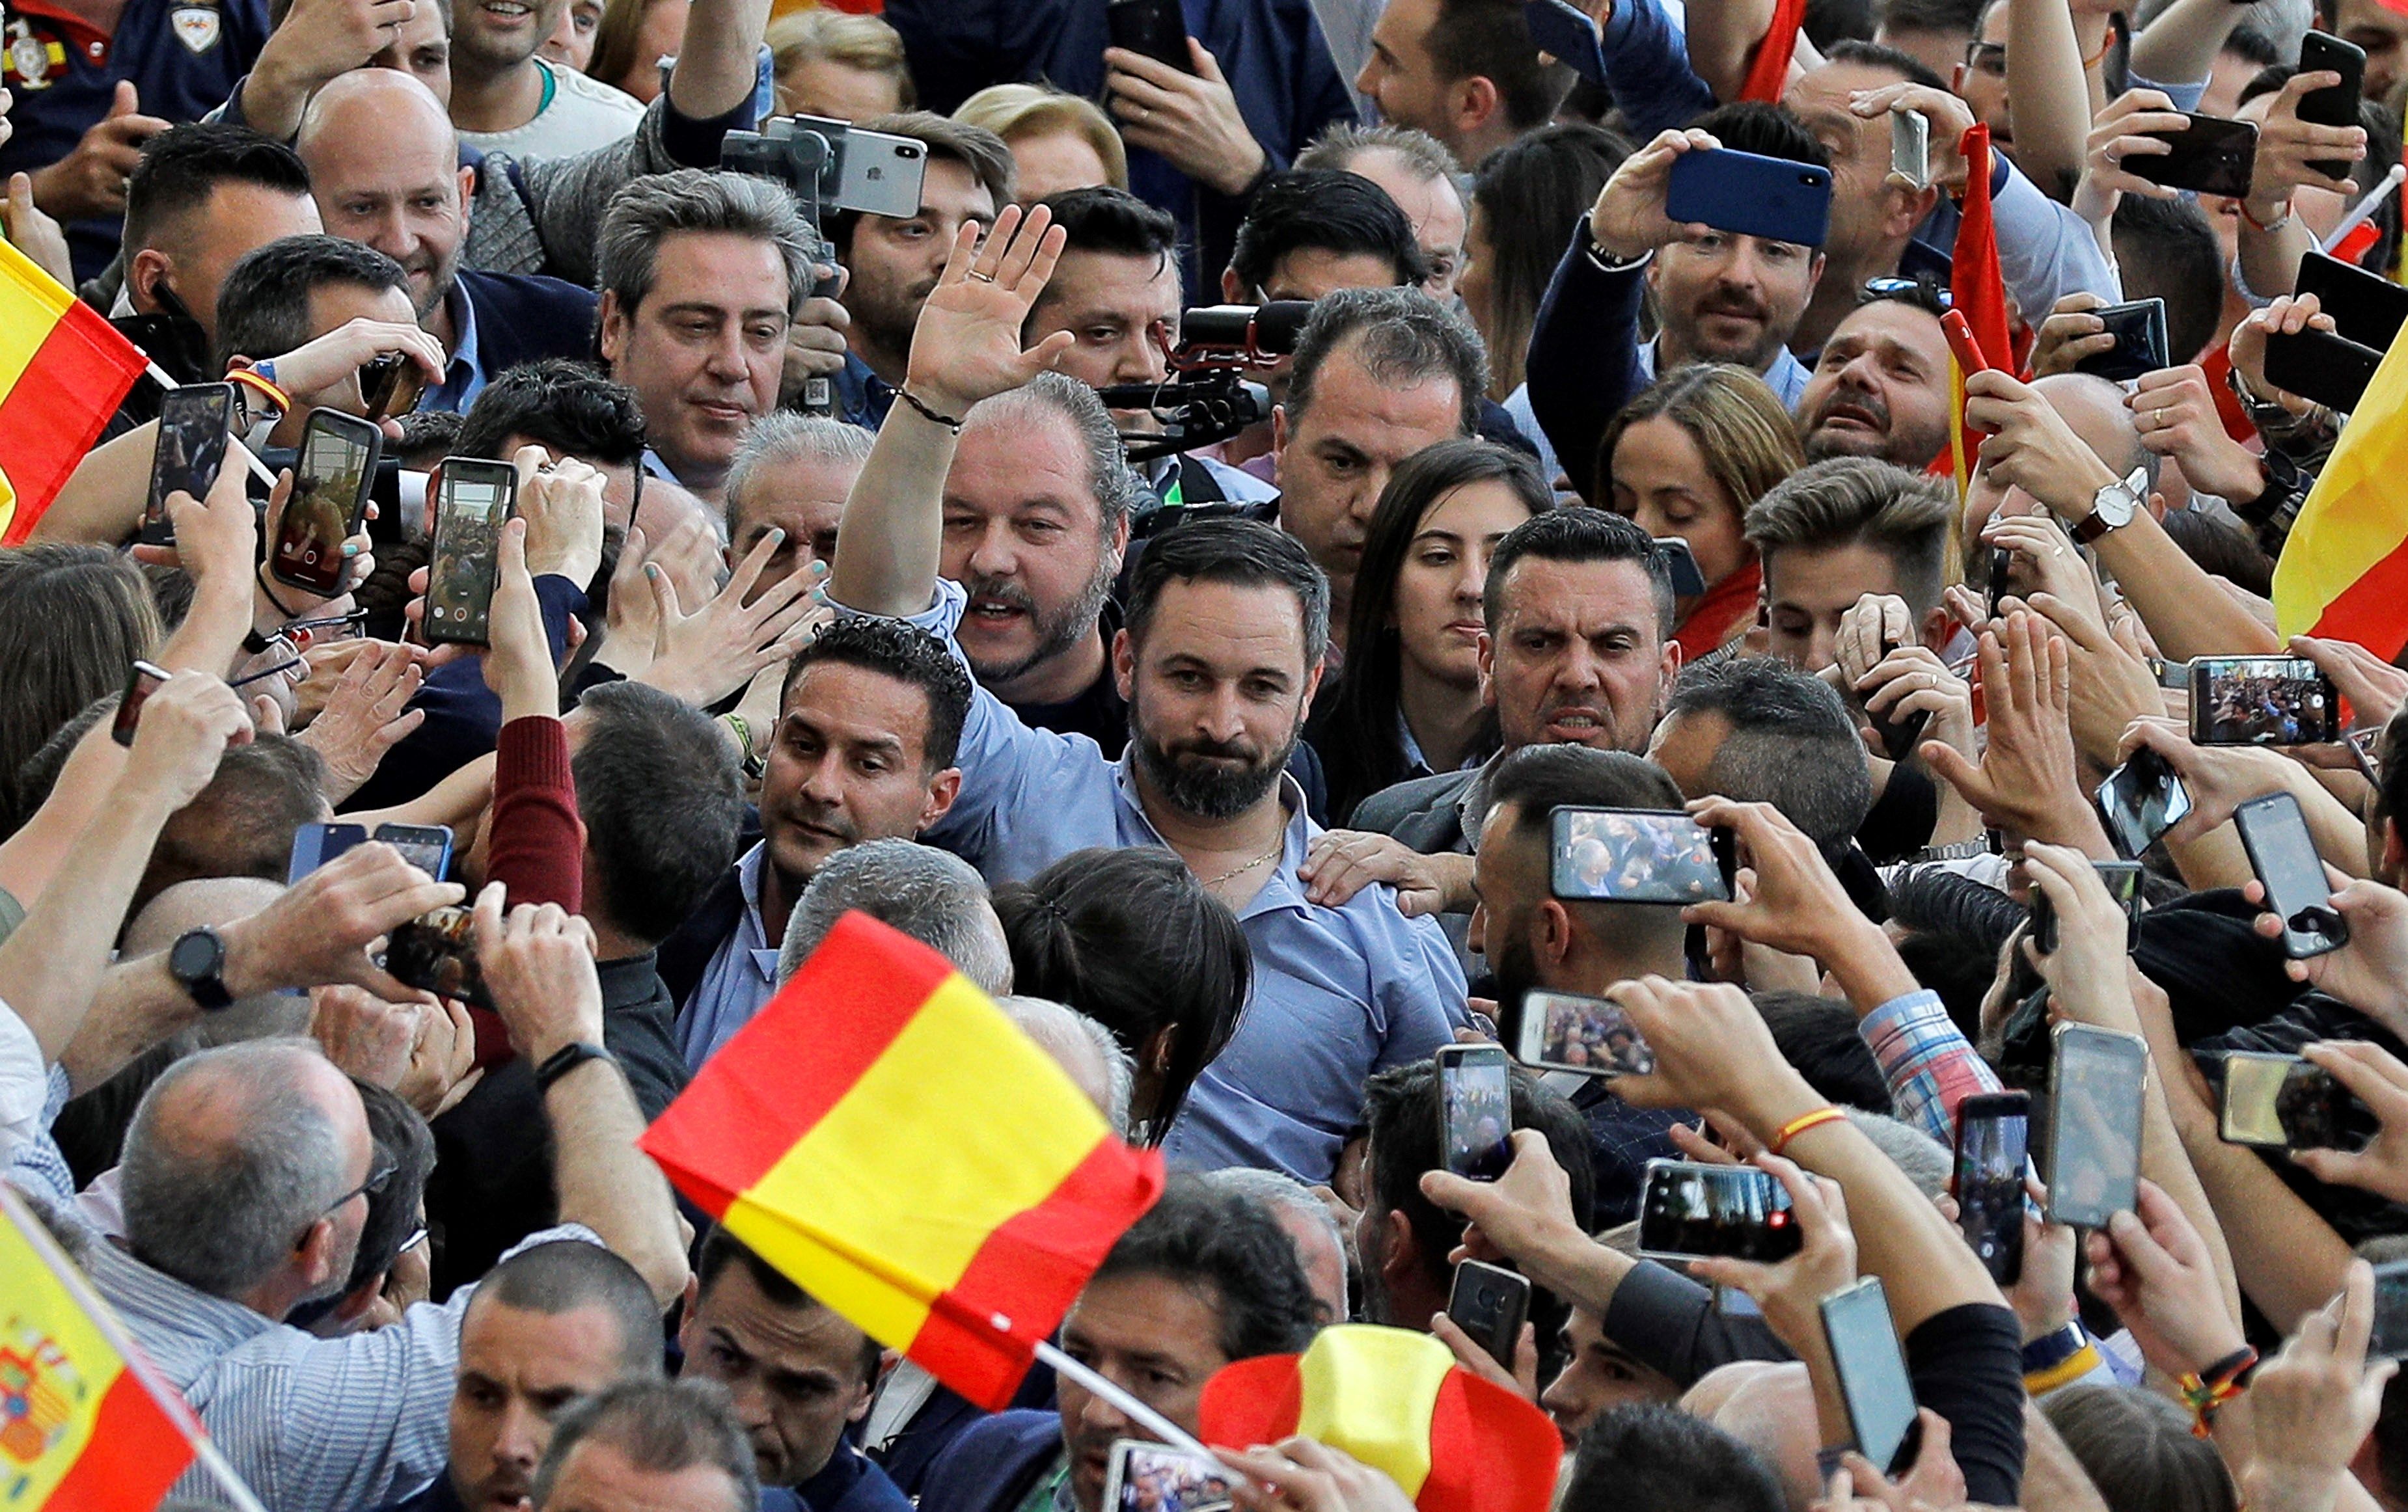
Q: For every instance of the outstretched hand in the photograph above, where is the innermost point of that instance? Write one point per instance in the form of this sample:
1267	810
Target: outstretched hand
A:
967	346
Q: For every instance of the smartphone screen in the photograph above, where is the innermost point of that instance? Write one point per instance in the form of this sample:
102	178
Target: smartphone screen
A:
314	845
1682	562
2284	855
1694	1211
1475	1097
1871	1371
426	847
2141	801
1490	1304
187	452
470	507
1993	1138
330	490
2097	1080
140	683
2278	1101
2261	700
1637	855
1587	1036
2122	881
2389	1338
1155	1478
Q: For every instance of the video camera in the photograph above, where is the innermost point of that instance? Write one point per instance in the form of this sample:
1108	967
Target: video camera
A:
1207	398
830	165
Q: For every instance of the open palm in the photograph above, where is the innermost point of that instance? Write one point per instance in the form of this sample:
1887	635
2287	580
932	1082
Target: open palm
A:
967	346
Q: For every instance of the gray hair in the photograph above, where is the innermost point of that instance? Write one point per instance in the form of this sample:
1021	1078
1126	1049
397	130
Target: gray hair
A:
658	1426
1115	486
1278	1191
221	1212
1401	336
1342	144
1059	1030
649	209
1924	1161
932	896
784	435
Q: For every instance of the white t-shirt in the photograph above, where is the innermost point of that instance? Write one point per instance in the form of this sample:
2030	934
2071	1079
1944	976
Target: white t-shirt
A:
578	115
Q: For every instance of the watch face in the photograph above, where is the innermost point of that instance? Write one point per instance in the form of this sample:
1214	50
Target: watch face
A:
195	956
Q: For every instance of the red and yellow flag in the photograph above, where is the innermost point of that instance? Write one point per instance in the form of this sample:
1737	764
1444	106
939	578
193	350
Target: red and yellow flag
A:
84	1426
63	372
1396	1401
2343	572
1977	291
885	1137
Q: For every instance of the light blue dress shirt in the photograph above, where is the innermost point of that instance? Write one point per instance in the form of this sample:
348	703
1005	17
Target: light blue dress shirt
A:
1337	993
463	377
1786	377
739	979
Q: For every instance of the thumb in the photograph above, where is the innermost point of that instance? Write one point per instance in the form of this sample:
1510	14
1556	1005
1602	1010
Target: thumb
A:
266	715
1206	67
665	593
125	101
1048	352
1948	765
631	562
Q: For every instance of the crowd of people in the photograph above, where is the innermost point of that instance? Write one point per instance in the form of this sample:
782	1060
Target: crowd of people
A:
882	563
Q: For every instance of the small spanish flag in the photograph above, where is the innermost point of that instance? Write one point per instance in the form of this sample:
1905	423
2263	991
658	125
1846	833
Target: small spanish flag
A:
1396	1401
63	372
885	1137
2343	572
84	1426
1977	291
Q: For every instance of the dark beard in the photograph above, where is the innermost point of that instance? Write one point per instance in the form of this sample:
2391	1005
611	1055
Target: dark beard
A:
1206	791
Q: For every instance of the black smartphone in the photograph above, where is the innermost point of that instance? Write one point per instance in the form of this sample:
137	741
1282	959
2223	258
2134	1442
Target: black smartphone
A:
314	845
472	503
1751	195
1475	1109
1155	29
1565	33
1871	1372
1585	1035
2122	879
2334	371
330	474
140	683
2336	105
1898	736
2214	157
188	451
437	952
2263	700
1490	1304
2284	856
1639	855
1687	582
2097	1080
1993	1140
2366	307
426	847
2002	562
2388	1340
2278	1101
1689	1210
2140	332
2142	800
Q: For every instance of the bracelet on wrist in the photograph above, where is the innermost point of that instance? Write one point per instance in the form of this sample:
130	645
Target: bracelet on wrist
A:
2282	218
2215	1386
928	414
1799	1125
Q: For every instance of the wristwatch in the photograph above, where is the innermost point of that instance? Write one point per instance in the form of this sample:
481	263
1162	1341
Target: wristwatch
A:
195	960
566	1059
2112	507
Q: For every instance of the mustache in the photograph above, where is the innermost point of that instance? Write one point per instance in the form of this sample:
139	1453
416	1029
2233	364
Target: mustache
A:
1237	751
1001	590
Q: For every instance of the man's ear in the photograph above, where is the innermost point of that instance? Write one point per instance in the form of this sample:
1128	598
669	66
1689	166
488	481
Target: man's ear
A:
1123	664
1399	1257
1232	291
942	790
685	1314
313	1258
1555	941
1476	102
612	328
1939	629
1667	670
143	276
467	197
1487	655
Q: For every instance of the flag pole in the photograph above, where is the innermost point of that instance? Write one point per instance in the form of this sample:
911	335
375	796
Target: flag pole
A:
1136	1411
2364	209
224	1474
258	468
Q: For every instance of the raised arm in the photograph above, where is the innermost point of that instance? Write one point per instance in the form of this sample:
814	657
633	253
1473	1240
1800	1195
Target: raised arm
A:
716	67
2048	95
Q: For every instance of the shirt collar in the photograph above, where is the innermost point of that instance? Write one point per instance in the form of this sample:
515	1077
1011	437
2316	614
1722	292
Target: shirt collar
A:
463	375
1280	889
752	935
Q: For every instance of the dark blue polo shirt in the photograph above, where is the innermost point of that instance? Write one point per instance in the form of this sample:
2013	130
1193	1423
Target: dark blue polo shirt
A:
183	57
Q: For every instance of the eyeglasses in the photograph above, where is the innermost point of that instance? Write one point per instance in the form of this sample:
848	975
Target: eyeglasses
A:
391	385
282	655
1911	291
381	1175
329	627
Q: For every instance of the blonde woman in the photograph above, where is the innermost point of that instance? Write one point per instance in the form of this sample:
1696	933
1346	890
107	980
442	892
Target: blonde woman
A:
1058	141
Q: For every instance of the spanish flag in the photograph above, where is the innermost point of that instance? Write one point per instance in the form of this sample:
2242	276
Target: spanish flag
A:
1396	1401
1977	291
63	372
84	1425
2343	572
1768	70
884	1136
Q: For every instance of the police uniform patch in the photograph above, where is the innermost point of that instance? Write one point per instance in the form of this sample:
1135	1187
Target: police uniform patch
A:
196	26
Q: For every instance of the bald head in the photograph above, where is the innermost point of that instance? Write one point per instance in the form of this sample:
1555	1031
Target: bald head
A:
210	903
401	113
2095	409
384	166
1085	1049
1771	1409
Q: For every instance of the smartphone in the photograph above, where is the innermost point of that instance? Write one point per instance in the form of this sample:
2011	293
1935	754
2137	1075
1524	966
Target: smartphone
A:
1910	147
1490	1304
1871	1372
2335	104
1899	735
2122	879
471	505
2097	1079
2329	369
140	683
1155	1478
2366	307
1565	33
2366	746
314	845
1689	1210
2140	332
1475	1110
2215	156
2003	561
426	847
1586	1036
1687	582
2278	1101
1153	29
1750	196
2284	856
2141	801
437	952
883	174
187	452
2263	700
1993	1140
1962	343
2389	1339
331	475
1639	855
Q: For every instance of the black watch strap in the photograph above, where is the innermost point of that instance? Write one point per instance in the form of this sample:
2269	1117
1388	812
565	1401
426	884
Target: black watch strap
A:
566	1059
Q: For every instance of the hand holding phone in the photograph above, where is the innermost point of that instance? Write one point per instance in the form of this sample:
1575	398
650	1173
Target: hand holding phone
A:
1909	148
1639	855
2141	342
1993	1140
2214	156
2284	856
187	454
1155	29
2335	104
2278	1101
472	502
1871	1370
1588	1036
2141	801
2097	1081
2263	700
1490	1304
1750	196
141	682
1565	33
332	474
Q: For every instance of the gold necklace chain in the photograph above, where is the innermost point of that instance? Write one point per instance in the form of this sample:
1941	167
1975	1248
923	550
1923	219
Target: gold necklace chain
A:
1233	875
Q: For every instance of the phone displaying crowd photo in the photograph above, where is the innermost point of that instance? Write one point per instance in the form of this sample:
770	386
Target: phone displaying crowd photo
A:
1689	1210
2261	700
1993	1137
426	847
1475	1096
2141	801
187	452
1587	1036
1155	1478
471	505
1639	855
330	474
2097	1080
